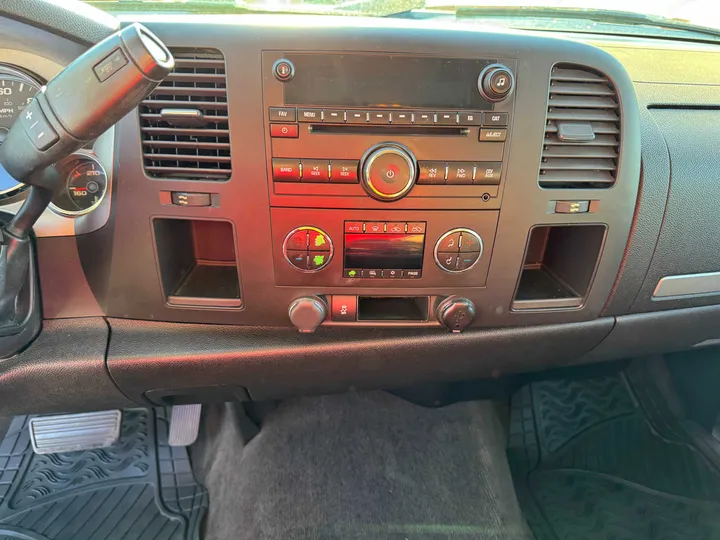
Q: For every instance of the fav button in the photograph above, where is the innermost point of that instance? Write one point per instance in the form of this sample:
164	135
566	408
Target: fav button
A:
282	114
314	170
449	243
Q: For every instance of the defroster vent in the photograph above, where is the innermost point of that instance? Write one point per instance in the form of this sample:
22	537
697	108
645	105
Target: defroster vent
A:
184	122
582	131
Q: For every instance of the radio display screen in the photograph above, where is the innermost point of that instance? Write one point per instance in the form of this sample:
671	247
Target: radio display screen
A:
363	80
368	250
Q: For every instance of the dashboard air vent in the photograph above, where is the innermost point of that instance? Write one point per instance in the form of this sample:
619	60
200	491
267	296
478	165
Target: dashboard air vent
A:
582	131
184	122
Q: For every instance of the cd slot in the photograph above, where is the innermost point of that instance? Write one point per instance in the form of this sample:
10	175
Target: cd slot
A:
351	129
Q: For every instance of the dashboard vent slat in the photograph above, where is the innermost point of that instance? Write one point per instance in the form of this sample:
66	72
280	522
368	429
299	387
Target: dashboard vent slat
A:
202	149
582	130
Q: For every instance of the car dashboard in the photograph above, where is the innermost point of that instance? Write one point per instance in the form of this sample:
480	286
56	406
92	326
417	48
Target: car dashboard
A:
422	202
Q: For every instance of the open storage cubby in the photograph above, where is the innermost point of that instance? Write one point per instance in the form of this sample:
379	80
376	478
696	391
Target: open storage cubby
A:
198	265
559	266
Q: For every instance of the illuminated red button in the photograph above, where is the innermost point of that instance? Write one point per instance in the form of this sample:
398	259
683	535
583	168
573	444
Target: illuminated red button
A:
287	131
286	170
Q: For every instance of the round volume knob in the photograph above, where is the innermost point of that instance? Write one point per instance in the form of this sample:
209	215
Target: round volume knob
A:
496	82
388	172
456	313
307	313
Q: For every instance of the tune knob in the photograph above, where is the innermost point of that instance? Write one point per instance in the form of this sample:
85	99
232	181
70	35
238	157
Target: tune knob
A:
496	82
388	172
307	313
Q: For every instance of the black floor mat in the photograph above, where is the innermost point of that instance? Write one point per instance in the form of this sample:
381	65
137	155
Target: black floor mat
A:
588	463
139	489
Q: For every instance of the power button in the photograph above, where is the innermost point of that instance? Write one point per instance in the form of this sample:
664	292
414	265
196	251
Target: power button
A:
283	70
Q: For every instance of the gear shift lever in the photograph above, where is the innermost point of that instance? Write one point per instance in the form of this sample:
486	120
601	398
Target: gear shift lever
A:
78	105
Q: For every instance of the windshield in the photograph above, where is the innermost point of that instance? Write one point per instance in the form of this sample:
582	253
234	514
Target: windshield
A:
572	15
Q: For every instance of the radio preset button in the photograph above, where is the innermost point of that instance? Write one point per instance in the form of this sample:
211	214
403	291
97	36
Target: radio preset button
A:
353	226
448	261
309	115
488	173
460	172
299	259
282	114
315	170
343	171
402	117
446	119
357	117
495	119
424	118
497	135
466	260
286	170
431	172
379	117
394	228
449	243
416	227
375	227
470	118
333	116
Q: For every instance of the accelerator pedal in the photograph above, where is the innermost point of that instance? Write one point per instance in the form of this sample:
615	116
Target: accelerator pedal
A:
184	424
74	432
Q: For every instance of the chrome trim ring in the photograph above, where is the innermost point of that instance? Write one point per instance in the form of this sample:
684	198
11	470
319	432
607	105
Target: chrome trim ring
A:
82	155
369	159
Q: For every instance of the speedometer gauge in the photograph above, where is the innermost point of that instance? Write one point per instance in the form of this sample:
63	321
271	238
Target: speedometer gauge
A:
16	91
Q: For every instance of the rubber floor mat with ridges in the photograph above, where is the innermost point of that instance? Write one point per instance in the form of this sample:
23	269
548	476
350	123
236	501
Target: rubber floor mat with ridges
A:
139	488
588	465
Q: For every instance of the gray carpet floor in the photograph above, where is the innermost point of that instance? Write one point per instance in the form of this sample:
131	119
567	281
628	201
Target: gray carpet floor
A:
360	466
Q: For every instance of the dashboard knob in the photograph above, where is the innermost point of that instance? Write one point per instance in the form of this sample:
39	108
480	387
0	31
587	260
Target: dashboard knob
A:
388	172
307	313
456	313
496	82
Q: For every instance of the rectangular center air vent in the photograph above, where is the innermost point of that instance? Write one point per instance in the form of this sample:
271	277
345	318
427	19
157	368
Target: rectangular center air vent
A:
184	122
582	131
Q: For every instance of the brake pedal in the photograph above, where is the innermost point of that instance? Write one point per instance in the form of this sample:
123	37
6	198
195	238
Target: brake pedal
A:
184	424
74	432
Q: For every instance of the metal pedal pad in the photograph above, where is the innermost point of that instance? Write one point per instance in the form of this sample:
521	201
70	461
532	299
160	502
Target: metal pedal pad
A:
184	424
74	432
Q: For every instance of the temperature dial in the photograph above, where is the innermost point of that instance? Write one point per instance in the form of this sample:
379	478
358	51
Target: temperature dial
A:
85	185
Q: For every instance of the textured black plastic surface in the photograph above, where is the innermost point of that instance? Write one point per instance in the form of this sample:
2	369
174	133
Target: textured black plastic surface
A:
139	488
587	463
279	362
62	371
